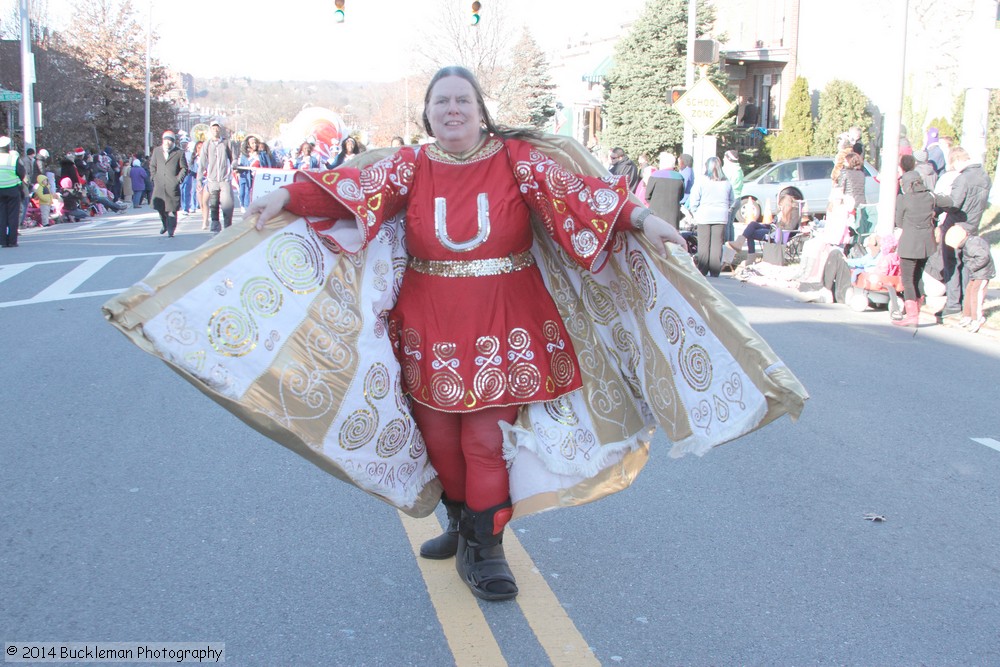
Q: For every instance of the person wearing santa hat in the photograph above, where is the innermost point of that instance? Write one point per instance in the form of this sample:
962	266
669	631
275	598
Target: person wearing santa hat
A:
167	168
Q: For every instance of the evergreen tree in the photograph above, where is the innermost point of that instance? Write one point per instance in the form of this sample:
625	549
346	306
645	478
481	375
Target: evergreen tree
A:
530	101
992	133
796	136
649	61
944	127
841	105
109	45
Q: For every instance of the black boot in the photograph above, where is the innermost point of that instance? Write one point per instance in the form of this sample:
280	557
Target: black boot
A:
446	544
480	560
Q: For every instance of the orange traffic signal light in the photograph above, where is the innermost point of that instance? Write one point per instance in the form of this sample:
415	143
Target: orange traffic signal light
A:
338	14
675	94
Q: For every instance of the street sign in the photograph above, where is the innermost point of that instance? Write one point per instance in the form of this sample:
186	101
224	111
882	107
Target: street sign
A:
9	96
703	106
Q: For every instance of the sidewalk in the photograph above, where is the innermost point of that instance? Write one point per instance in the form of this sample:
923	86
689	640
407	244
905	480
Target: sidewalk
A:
763	274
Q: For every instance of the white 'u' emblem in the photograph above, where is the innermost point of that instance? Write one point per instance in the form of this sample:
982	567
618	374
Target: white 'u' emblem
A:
482	230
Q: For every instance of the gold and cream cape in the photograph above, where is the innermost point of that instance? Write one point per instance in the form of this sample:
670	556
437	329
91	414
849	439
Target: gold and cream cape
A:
291	338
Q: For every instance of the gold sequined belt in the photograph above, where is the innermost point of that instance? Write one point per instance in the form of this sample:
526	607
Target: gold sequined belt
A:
473	268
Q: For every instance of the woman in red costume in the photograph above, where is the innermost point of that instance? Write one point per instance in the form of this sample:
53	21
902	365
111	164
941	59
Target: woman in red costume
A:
474	329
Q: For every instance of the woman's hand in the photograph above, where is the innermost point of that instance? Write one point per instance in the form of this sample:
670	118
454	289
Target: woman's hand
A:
658	231
267	207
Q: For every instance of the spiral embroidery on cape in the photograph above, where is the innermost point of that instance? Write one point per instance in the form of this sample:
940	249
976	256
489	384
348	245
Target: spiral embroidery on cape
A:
261	297
489	382
694	360
232	332
360	427
393	438
696	367
598	301
178	330
672	325
626	345
381	269
561	411
296	261
446	385
642	278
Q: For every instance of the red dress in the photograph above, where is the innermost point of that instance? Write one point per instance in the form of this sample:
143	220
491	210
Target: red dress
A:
474	325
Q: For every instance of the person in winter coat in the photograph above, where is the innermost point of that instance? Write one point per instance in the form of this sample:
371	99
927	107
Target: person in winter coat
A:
711	202
43	193
167	168
216	166
852	178
975	251
665	190
126	180
137	177
964	206
915	217
72	203
67	169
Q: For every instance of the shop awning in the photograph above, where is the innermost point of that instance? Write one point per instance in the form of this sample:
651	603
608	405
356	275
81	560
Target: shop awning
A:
600	73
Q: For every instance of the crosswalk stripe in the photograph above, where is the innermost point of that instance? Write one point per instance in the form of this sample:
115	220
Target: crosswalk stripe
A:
9	271
989	442
65	285
64	288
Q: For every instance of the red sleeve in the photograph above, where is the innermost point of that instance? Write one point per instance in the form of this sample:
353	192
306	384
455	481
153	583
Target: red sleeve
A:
371	195
309	199
581	213
624	222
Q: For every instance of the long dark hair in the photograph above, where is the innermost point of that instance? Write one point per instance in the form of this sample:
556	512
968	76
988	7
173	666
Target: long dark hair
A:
491	127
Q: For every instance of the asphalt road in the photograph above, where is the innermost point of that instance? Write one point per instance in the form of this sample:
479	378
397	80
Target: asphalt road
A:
134	509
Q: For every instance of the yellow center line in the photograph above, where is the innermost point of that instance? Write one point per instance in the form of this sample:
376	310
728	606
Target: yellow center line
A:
469	635
552	626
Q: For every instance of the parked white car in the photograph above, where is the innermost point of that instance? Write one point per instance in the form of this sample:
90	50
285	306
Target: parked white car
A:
805	178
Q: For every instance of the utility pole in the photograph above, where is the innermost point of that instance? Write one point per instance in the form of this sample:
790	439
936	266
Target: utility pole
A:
27	79
149	42
891	120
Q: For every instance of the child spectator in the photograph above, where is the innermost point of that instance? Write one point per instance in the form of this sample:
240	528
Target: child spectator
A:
979	265
43	194
72	209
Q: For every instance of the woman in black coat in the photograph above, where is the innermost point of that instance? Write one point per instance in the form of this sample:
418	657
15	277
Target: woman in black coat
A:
167	168
915	216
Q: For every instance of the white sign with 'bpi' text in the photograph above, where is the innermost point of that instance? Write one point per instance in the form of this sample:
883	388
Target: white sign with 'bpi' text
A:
266	181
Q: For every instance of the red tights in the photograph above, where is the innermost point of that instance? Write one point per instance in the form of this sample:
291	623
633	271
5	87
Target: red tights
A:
466	449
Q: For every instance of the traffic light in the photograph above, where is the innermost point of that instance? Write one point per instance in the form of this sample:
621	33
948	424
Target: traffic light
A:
675	94
476	6
338	14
